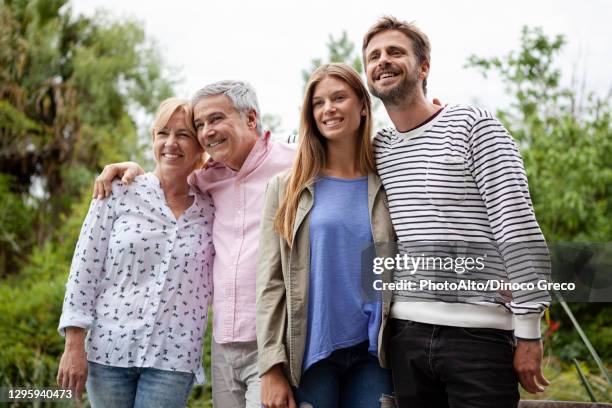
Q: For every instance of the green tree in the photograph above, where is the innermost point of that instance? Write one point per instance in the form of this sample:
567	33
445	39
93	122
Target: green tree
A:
15	220
340	49
68	88
565	137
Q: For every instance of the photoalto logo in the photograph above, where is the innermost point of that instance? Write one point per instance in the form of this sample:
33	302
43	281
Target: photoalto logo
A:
466	272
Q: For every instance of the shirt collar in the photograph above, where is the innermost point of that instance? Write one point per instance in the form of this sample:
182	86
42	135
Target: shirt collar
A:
256	155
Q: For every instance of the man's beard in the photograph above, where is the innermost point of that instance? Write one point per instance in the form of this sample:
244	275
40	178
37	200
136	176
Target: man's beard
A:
403	92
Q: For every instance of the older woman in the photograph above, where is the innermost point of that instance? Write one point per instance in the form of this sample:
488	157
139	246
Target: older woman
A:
140	281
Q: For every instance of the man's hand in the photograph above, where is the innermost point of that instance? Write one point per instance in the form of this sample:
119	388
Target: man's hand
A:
72	373
275	389
126	170
528	365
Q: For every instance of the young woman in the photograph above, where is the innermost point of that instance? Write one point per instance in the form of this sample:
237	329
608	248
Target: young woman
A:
315	330
140	281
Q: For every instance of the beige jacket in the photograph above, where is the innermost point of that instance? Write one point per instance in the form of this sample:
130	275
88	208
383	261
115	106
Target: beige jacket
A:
283	277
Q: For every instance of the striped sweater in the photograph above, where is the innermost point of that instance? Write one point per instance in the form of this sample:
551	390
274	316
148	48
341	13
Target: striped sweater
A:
460	178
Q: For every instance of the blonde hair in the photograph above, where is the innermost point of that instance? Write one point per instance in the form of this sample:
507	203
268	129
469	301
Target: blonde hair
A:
310	157
169	107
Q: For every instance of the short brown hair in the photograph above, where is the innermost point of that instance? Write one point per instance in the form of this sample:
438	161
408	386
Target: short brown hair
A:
420	43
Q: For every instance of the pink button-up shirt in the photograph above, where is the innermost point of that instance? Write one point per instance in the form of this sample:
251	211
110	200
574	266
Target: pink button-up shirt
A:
238	197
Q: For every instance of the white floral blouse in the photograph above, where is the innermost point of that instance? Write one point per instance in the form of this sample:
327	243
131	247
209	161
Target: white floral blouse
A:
140	280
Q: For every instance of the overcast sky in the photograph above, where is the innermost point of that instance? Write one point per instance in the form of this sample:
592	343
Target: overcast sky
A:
268	43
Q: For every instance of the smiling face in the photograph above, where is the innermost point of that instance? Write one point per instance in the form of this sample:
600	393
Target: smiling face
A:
336	108
392	69
227	135
175	146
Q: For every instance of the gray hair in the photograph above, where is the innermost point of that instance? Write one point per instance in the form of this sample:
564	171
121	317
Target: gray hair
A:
240	93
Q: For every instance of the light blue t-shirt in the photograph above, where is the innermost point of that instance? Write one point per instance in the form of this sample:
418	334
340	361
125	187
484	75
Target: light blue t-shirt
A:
338	315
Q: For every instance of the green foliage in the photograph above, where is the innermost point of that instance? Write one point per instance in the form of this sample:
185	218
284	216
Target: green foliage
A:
339	50
30	306
565	383
596	321
15	218
15	122
566	142
529	75
68	88
30	345
595	356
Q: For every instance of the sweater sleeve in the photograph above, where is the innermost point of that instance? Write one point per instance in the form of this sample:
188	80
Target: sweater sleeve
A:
497	167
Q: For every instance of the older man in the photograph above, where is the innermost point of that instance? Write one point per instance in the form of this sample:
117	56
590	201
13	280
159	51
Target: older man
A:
228	124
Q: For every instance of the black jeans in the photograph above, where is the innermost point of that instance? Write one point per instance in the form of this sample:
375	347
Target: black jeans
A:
455	367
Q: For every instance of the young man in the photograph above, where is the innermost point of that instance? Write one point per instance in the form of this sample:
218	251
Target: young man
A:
227	119
454	174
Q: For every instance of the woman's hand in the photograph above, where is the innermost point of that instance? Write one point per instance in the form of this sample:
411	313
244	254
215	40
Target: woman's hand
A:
72	373
275	389
126	170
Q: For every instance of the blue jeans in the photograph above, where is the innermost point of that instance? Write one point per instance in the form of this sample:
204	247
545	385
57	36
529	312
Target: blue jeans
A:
135	387
349	377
